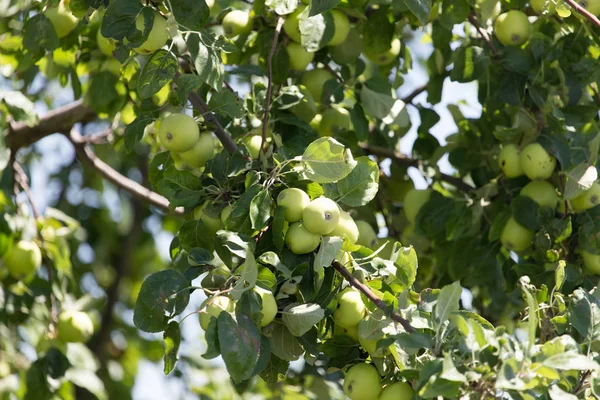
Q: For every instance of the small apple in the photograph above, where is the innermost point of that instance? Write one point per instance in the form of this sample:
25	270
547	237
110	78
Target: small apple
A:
79	8
237	22
316	121
321	216
106	45
252	143
346	228
158	36
333	120
512	28
299	58
342	27
225	213
269	306
542	192
367	236
413	201
362	382
387	57
212	223
397	391
216	307
351	332
591	262
74	327
348	51
593	6
306	109
291	26
314	80
23	259
515	237
509	161
294	201
350	308
62	19
536	162
588	199
178	132
542	7
300	240
111	65
202	151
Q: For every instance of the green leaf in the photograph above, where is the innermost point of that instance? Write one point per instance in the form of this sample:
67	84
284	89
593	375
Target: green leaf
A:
525	211
19	106
272	259
243	345
162	292
360	186
327	160
407	263
420	8
36	382
316	31
88	380
260	210
359	122
39	34
300	318
158	71
275	371
207	62
102	95
579	179
384	107
584	314
556	393
191	14
447	303
181	188
226	102
283	344
449	371
328	250
247	279
239	219
119	20
282	7
172	338
532	322
320	6
279	227
378	32
186	84
194	234
571	361
469	64
211	335
135	131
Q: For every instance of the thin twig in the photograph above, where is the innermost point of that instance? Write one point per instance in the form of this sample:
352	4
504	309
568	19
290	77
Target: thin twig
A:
584	12
389	153
370	295
486	38
456	182
584	377
409	99
270	82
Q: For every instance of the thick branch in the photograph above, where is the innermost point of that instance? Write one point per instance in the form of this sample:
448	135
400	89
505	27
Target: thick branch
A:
581	10
270	82
370	295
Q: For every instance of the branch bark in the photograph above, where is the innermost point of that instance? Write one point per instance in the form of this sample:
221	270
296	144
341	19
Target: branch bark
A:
581	10
486	38
409	99
371	296
270	82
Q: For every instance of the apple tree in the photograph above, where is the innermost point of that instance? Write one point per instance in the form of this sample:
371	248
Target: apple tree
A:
247	169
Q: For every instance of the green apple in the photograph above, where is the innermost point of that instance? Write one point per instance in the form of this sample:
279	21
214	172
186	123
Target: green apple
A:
362	382
350	308
321	216
62	19
294	201
413	201
367	236
291	26
351	332
74	327
202	151
333	120
349	50
370	345
111	65
314	80
23	259
178	132
106	45
387	57
158	36
300	240
253	143
306	109
216	307
316	121
346	227
536	162
515	237
509	161
593	6
225	213
397	391
591	262
79	8
542	192
543	6
512	28
212	223
269	306
342	27
299	58
590	198
236	22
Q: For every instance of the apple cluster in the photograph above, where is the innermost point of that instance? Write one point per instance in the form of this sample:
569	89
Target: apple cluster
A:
363	382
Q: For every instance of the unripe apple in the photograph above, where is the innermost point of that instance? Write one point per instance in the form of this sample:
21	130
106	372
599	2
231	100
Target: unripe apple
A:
216	307
346	228
413	201
588	199
388	56
397	391
23	259
367	236
212	223
515	237
300	240
202	151
321	216
536	162
225	213
348	51
158	36
333	120
106	45
542	192
543	6
237	22
74	327
291	26
350	308
269	306
314	80
253	143
316	121
341	26
62	19
593	6
512	28
509	161
591	262
111	65
351	332
178	132
306	109
294	201
299	58
362	382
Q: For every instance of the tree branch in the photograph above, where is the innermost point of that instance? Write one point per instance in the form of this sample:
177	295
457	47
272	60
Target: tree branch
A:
370	295
579	386
409	99
270	82
581	10
486	38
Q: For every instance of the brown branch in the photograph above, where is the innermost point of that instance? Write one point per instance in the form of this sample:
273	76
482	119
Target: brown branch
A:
584	377
389	153
370	295
409	99
486	38
270	82
581	10
456	182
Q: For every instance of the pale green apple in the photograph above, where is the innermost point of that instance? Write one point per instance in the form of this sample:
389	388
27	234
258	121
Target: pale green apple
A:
269	306
291	26
212	223
591	262
351	332
346	228
306	109
515	237
106	45
158	36
300	240
225	213
62	19
253	143
294	201
547	7
341	28
536	162
237	22
348	51
588	199
74	326
316	121
111	65
509	161
367	236
397	391
413	201
388	56
362	382
216	307
23	259
321	216
178	132
512	28
350	308
315	80
299	58
202	151
333	120
542	192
